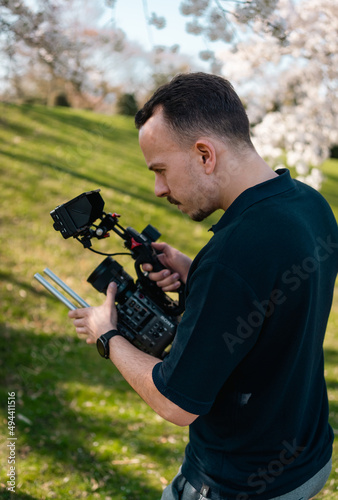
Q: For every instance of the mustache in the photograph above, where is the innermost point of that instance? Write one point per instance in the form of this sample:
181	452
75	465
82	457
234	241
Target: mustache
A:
173	201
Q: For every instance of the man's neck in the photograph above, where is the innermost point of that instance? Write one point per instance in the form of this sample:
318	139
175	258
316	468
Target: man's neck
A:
239	177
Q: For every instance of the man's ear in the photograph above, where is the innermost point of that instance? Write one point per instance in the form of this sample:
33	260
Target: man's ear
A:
207	154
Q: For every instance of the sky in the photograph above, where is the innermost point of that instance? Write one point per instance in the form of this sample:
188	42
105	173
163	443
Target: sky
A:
129	15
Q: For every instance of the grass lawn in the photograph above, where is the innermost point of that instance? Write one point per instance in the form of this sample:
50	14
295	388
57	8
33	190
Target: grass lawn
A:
81	432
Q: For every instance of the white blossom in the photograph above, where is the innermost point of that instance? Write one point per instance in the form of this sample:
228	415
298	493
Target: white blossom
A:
157	21
194	7
218	17
206	55
291	89
194	27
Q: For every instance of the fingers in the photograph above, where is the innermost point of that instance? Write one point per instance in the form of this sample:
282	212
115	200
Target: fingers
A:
77	313
160	246
79	323
94	321
165	249
166	280
171	284
147	267
162	257
111	293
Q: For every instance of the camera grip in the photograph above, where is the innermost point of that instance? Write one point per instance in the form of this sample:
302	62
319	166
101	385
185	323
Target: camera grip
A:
158	295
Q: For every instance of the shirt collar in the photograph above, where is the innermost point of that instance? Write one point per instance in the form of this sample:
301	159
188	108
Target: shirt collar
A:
256	193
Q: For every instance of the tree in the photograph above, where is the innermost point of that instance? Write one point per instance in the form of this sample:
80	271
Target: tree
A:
282	56
56	35
63	46
24	28
227	21
291	89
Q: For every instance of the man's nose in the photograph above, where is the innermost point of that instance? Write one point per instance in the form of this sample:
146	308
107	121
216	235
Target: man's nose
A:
161	187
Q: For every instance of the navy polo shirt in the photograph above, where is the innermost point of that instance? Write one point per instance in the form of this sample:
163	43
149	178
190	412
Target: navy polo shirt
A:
247	356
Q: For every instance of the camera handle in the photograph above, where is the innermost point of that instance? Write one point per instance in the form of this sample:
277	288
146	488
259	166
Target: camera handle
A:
143	253
157	294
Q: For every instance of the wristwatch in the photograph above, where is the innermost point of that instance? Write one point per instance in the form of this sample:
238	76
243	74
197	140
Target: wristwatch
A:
102	342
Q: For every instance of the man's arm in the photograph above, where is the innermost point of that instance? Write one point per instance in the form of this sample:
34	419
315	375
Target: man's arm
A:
134	365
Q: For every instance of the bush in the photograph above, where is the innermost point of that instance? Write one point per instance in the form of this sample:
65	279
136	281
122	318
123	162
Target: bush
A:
62	100
127	105
334	152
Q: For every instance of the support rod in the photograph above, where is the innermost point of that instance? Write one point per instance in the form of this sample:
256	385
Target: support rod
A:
65	287
54	291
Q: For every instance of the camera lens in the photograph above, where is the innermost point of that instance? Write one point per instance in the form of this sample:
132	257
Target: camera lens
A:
110	270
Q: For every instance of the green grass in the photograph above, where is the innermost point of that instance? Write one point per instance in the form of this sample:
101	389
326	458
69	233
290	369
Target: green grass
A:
81	431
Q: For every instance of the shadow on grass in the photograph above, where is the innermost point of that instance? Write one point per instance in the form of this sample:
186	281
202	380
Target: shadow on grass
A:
104	127
7	495
46	373
59	117
70	162
9	277
94	182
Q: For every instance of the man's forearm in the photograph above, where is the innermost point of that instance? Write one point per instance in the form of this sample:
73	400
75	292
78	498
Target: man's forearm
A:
136	367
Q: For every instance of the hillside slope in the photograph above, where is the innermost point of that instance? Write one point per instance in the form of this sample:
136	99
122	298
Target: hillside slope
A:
81	431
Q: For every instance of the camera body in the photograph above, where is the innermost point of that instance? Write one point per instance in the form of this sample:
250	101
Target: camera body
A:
147	317
140	319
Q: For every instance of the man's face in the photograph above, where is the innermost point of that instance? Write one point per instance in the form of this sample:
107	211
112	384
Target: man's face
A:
178	171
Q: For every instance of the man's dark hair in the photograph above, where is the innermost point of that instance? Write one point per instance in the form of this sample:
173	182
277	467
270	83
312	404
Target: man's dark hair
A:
196	104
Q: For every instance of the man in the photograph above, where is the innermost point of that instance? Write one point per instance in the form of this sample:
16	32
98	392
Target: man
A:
245	371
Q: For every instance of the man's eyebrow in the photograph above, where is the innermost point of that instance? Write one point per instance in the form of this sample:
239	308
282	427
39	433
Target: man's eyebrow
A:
155	166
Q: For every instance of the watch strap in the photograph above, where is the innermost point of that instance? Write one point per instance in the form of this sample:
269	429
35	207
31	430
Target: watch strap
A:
111	334
102	342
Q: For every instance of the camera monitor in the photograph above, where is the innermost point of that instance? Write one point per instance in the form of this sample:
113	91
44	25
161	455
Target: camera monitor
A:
78	214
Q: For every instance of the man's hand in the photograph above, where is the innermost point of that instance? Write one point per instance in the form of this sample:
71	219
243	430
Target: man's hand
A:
177	267
135	366
95	321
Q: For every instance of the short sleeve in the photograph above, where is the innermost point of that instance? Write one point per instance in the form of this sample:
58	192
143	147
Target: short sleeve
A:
215	334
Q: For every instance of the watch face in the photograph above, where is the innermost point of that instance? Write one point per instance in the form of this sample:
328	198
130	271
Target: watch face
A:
100	347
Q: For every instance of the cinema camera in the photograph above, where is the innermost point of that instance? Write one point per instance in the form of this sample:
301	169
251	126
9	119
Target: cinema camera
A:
147	316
